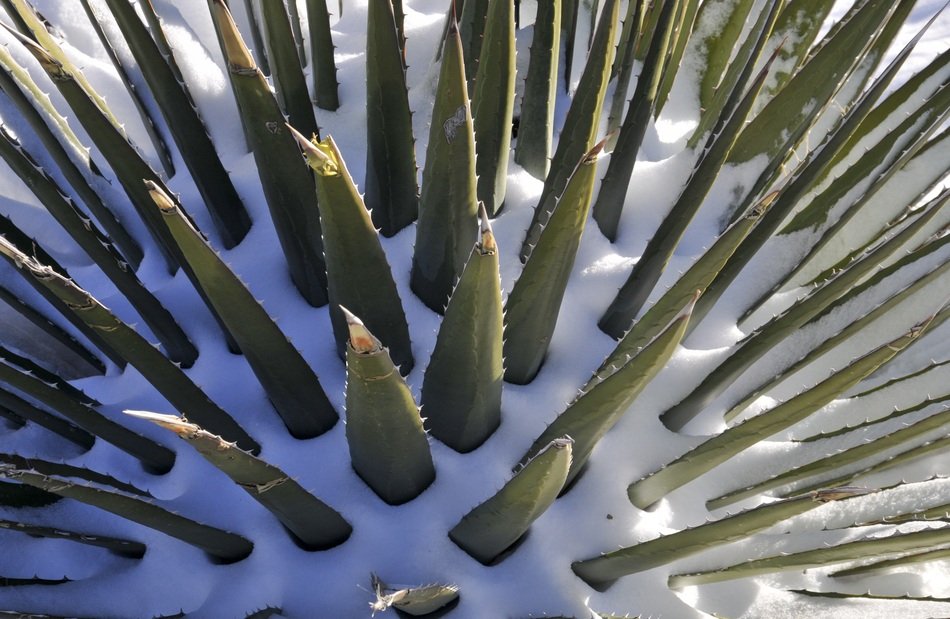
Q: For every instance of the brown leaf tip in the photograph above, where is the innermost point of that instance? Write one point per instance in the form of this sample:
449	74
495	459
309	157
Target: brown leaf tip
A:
360	340
236	52
687	310
763	205
842	492
161	199
176	424
486	244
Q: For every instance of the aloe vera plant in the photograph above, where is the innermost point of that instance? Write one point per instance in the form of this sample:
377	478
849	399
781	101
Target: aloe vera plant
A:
430	383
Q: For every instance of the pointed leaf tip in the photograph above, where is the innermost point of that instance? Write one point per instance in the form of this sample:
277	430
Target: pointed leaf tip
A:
594	153
487	243
235	50
687	310
161	199
827	495
319	155
763	205
176	424
361	340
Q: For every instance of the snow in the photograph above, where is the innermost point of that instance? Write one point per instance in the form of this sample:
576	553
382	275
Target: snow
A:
408	543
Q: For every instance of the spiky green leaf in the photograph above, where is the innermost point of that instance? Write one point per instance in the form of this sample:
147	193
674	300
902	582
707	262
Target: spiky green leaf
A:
461	391
392	193
315	524
498	522
358	275
448	208
388	446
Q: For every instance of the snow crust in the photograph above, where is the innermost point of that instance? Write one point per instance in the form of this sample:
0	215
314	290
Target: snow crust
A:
408	543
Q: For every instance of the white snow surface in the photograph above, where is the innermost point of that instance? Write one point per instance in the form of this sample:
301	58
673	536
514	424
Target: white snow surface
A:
408	543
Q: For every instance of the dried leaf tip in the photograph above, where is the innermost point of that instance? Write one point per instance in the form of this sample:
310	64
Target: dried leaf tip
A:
841	492
10	250
319	155
453	17
918	329
361	340
594	153
24	261
687	310
487	243
411	600
174	423
29	43
237	54
50	64
160	198
763	205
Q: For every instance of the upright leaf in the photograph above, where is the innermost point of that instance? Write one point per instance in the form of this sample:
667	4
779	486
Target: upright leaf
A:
357	272
493	102
682	29
388	445
535	127
569	10
788	115
290	384
158	142
613	188
732	82
289	81
534	303
284	176
392	193
652	263
497	523
188	130
719	28
448	208
622	70
471	23
257	37
579	130
798	24
461	392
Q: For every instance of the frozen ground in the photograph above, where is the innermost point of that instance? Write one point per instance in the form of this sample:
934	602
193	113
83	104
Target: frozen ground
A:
408	543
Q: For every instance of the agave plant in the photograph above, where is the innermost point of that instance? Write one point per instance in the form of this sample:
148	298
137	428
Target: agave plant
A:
766	392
